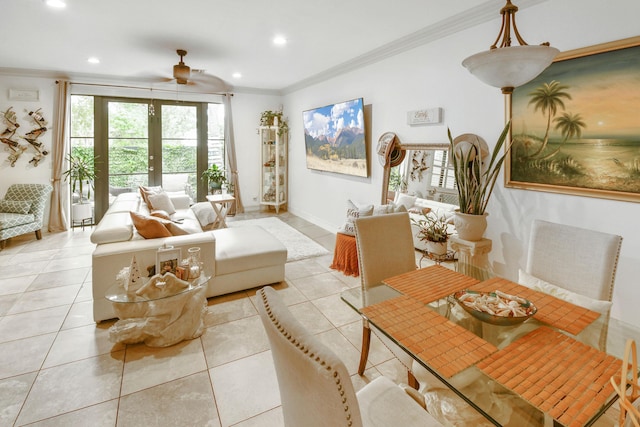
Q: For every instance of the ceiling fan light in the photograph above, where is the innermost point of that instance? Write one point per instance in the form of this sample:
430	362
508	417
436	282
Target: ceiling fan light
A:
510	67
181	73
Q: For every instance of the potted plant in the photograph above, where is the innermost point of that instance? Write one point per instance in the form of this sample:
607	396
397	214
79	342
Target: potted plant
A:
274	118
433	231
475	181
215	177
396	183
81	174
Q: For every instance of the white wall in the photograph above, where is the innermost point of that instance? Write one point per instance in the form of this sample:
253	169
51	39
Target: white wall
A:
24	172
431	76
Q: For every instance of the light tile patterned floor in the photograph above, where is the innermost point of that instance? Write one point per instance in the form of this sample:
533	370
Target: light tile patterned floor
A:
58	368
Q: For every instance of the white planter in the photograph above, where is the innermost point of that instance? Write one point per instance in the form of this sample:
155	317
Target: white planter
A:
437	248
470	227
80	211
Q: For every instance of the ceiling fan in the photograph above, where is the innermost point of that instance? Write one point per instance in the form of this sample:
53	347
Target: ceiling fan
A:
184	75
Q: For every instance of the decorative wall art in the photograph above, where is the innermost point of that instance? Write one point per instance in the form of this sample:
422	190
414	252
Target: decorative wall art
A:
575	128
9	136
335	138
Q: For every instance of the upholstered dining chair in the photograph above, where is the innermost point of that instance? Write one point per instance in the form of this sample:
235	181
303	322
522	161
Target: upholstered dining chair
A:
385	249
315	386
575	259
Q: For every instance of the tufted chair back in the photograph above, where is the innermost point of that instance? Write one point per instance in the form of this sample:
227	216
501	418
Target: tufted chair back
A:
315	387
36	193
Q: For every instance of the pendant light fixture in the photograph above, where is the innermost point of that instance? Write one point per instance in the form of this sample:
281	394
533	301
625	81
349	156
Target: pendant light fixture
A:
507	66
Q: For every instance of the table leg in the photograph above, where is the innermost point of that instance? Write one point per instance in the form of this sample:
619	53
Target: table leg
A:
412	380
366	342
220	214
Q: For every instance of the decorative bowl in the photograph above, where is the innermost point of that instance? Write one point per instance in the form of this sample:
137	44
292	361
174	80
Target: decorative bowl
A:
527	307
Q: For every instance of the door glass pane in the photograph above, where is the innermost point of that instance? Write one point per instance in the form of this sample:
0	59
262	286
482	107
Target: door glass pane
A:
215	137
82	149
128	131
179	148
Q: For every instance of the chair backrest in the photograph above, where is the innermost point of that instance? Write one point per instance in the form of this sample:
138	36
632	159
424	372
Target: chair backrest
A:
36	193
582	261
385	247
315	387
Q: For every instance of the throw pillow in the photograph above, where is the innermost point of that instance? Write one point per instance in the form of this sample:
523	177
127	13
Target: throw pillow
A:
419	211
161	201
354	212
15	206
161	214
146	191
406	200
205	213
537	284
175	229
149	227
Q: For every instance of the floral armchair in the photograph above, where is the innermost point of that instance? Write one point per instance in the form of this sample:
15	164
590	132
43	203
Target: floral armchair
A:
22	210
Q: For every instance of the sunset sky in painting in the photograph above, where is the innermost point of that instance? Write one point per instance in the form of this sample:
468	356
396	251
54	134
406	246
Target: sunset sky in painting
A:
605	91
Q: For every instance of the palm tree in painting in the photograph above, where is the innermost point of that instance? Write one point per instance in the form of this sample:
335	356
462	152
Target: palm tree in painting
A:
570	126
548	98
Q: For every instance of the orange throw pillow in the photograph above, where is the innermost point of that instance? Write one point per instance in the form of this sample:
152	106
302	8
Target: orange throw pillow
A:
149	227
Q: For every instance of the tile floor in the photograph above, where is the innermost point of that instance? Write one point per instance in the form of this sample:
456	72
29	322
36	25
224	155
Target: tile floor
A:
58	368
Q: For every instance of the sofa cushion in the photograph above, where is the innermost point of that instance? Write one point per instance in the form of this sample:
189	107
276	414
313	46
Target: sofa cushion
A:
113	227
160	214
15	206
405	200
242	248
161	201
149	227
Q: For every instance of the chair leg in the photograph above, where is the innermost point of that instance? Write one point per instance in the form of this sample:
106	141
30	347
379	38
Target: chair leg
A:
3	244
412	380
39	234
366	342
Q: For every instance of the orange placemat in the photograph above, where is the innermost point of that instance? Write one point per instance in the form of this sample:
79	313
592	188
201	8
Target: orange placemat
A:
551	310
431	283
565	378
440	343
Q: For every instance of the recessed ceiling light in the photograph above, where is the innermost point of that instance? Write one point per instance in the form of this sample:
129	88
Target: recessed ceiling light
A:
279	40
236	75
93	60
58	4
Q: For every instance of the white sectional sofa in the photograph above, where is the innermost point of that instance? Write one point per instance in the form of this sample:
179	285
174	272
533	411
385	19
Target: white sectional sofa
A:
236	258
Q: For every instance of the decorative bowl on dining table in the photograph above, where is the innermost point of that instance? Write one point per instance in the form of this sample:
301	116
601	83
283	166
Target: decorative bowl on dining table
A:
495	308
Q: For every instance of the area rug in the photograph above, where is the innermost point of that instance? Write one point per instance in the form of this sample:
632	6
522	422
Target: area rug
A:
298	245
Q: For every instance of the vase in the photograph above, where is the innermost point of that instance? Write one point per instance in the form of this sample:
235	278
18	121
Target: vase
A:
470	227
437	248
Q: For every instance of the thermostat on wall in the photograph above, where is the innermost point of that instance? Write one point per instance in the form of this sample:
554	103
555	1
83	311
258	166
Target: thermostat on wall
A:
423	117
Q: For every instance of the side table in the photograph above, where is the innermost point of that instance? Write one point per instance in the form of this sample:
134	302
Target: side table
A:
221	204
160	314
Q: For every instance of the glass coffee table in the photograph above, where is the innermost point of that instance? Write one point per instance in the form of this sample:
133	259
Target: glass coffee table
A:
160	313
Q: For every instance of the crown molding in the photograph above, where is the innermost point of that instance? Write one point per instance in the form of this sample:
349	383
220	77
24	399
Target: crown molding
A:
477	15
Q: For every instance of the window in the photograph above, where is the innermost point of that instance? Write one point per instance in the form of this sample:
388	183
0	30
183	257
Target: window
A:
141	142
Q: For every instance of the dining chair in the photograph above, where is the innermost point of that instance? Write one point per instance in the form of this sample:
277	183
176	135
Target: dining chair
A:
315	386
385	249
578	260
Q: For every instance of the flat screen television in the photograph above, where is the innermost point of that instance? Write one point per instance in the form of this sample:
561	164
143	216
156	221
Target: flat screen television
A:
335	139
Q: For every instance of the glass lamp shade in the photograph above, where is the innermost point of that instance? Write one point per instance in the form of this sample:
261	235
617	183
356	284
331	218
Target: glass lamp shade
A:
512	66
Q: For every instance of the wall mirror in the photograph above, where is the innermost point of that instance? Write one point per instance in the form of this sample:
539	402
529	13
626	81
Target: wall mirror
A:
420	169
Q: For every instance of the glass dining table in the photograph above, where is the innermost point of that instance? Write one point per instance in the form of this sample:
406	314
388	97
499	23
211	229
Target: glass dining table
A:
552	369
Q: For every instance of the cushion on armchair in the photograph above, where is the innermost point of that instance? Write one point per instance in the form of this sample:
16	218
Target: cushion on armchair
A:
15	206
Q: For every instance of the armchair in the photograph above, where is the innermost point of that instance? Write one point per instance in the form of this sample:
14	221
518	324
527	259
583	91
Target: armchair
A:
22	210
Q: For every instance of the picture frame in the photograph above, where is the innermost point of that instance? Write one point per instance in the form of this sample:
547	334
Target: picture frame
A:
168	260
574	127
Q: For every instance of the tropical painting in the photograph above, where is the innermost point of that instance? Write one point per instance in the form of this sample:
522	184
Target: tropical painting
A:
576	127
334	137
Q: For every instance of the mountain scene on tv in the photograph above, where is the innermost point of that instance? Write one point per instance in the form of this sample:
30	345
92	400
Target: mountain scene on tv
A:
334	138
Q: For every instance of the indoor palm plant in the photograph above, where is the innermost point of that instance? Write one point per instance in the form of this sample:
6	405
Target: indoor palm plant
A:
81	173
475	181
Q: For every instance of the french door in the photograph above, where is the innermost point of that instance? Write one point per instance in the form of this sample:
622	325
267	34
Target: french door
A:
157	143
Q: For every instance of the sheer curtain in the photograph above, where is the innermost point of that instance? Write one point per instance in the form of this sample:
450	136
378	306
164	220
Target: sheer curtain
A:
57	218
231	153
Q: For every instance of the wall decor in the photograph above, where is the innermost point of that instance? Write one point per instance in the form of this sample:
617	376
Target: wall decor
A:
426	116
32	136
575	127
24	95
335	138
8	137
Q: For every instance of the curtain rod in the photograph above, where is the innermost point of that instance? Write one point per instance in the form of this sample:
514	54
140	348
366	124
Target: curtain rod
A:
146	88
